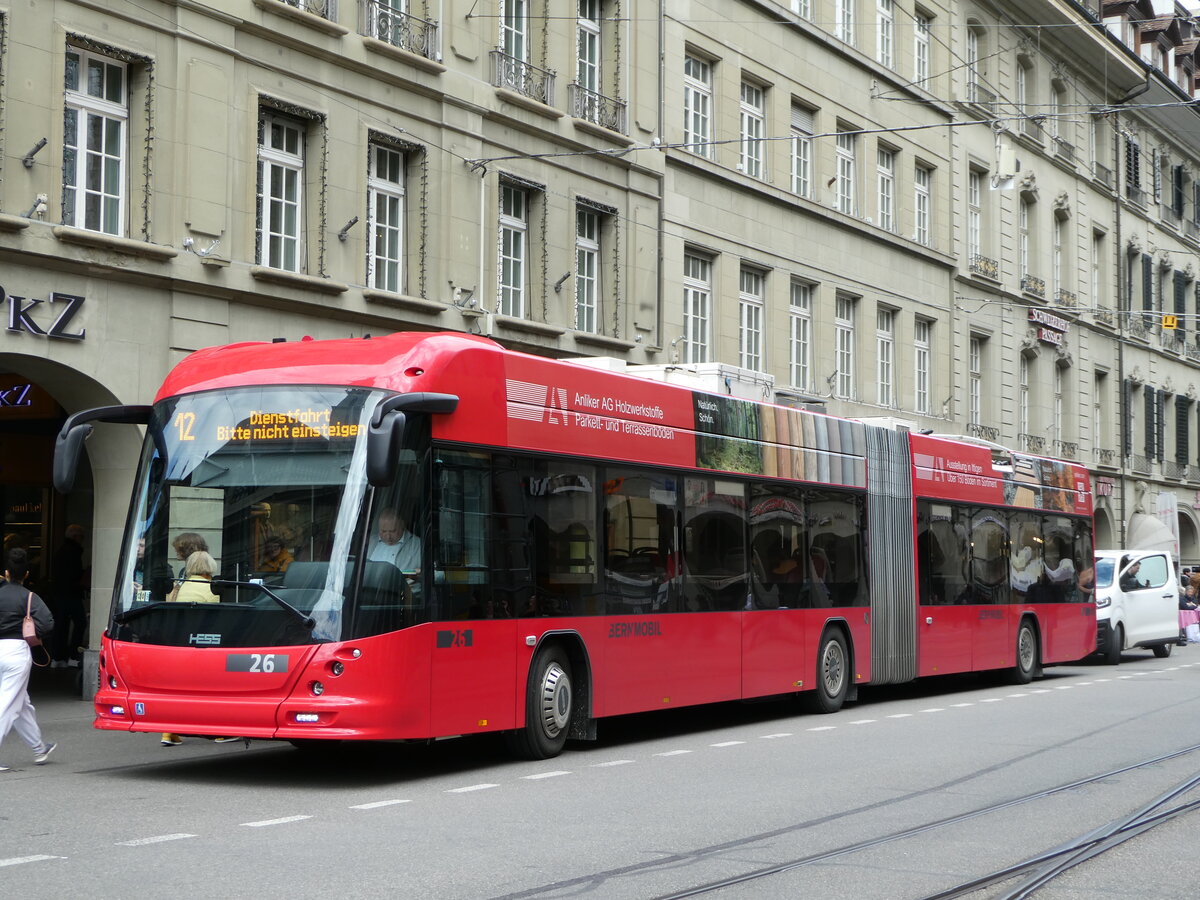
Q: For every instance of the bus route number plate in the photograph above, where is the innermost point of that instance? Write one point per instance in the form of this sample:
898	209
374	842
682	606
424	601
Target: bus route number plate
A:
256	662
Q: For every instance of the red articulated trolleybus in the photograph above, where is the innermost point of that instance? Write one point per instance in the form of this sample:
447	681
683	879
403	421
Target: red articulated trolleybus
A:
427	535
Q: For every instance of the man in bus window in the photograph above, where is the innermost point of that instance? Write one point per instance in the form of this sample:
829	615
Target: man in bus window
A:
396	544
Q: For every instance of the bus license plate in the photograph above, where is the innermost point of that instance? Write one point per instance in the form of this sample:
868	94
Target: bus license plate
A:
256	662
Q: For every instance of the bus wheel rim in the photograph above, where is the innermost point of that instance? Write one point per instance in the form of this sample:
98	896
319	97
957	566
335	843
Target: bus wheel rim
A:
1025	649
832	668
556	700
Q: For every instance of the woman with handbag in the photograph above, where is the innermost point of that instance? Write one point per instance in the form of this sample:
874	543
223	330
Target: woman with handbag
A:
25	621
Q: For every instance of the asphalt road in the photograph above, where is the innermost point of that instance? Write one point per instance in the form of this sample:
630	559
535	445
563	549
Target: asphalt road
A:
660	805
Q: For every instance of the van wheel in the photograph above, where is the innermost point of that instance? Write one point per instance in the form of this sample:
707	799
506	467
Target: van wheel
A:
833	674
549	703
1162	651
1027	656
1116	642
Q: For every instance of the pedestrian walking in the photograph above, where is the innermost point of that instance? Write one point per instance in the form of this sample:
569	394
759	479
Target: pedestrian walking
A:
16	658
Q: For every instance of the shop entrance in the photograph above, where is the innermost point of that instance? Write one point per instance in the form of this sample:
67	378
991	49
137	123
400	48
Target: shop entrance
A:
35	515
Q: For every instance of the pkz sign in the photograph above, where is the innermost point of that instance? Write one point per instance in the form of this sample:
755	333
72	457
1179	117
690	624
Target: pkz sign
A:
1051	328
21	317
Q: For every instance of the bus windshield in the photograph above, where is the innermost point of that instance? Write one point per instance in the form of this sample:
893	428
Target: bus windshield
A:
245	512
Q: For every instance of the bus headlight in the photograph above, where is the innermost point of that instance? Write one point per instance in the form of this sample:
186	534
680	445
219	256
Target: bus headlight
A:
317	688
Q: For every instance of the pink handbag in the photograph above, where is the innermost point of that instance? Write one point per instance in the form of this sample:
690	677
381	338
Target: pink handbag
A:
28	628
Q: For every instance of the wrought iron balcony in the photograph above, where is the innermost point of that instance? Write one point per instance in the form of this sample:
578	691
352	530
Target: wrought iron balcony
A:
1140	464
1063	297
1105	457
326	9
400	29
1032	128
1193	354
1171	217
1138	328
1105	316
522	77
981	96
1034	286
1103	174
985	266
1064	150
1034	443
1066	449
1135	194
1176	470
987	432
596	108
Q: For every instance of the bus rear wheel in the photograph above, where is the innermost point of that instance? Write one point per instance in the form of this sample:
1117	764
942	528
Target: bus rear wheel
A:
549	704
833	674
1027	655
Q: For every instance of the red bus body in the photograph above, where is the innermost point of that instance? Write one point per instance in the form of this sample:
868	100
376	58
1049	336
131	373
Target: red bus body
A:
464	676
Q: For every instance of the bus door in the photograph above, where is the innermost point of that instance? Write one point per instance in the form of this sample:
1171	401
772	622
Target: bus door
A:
946	617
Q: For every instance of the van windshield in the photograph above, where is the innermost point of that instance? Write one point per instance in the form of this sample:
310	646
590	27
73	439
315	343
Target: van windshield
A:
1104	572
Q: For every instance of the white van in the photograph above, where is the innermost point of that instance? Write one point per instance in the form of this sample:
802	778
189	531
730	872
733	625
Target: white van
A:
1137	602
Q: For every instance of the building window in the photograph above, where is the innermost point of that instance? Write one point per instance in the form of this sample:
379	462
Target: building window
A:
588	43
885	32
973	66
886	178
923	205
843	326
95	143
280	191
514	249
1023	230
1023	395
922	365
802	8
385	201
697	307
1058	403
846	149
697	105
750	314
975	365
753	129
514	28
974	214
1099	292
1133	169
921	47
800	336
802	131
885	351
1022	92
587	269
1058	273
843	14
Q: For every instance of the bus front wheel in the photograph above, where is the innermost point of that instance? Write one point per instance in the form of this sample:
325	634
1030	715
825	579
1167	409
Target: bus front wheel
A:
833	674
549	703
1027	655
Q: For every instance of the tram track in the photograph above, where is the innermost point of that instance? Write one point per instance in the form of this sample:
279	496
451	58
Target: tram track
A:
1038	869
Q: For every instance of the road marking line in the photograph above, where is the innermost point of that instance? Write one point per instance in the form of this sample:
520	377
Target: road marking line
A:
727	744
1103	680
1083	684
1123	677
673	753
545	775
960	705
1064	687
157	839
992	700
1040	691
863	721
616	762
469	788
824	728
378	803
934	709
285	820
1015	696
18	860
768	737
900	716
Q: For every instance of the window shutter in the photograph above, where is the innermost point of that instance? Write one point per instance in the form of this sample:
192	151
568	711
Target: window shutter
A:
1156	174
1149	432
1147	281
1182	428
1177	190
802	119
1181	301
1160	422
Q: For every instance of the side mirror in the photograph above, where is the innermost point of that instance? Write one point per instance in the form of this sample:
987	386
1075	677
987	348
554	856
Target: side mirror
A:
384	440
68	446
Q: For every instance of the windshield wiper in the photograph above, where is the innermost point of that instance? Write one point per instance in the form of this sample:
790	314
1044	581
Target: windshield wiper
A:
307	621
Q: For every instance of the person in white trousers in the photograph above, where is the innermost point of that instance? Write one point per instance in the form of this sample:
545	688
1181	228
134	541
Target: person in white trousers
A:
16	661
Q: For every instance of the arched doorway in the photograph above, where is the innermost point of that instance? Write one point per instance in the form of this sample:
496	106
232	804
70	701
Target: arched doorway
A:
1189	539
1103	535
36	396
